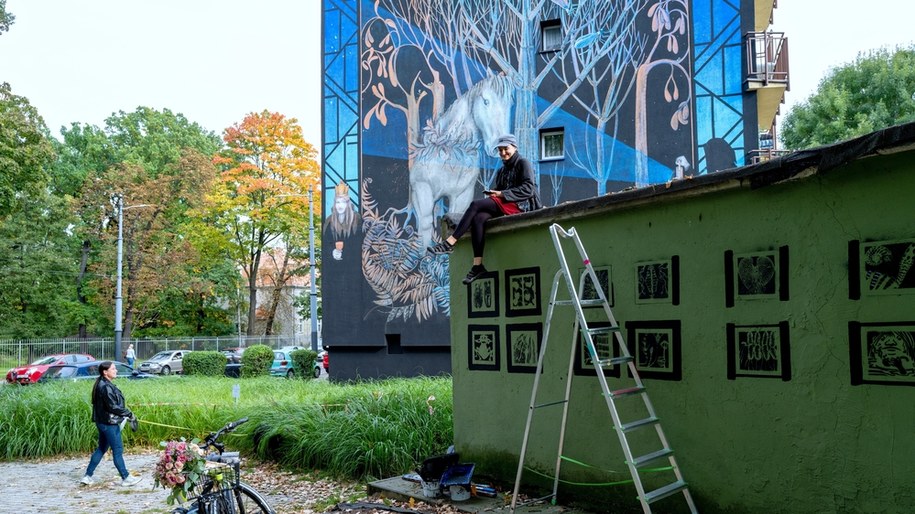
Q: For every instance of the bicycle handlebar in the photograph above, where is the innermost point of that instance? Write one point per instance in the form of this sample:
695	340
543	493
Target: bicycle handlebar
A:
210	440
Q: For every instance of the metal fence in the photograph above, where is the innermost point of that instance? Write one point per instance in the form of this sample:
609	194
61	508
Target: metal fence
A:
19	352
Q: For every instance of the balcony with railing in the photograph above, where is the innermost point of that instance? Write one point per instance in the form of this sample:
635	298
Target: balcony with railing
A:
767	72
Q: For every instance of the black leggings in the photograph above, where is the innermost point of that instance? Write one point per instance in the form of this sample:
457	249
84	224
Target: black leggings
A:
474	218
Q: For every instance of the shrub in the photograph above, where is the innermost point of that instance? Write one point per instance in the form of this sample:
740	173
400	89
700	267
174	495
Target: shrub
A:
211	364
256	361
304	362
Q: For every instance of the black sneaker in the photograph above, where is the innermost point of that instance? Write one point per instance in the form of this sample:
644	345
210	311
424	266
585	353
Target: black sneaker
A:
443	247
474	273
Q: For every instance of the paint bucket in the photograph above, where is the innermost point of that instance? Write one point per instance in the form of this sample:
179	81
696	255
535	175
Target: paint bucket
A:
430	489
459	493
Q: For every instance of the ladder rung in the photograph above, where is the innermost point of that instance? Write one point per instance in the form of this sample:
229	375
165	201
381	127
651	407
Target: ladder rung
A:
629	427
665	491
548	404
615	361
583	303
619	393
603	330
645	459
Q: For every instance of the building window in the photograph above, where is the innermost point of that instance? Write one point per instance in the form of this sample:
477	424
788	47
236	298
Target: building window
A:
550	35
552	144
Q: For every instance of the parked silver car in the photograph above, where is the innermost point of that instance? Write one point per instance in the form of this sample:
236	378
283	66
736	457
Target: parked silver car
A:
165	363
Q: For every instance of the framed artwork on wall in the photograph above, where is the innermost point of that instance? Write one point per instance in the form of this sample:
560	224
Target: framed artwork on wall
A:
522	342
756	276
658	281
522	292
882	353
759	351
483	347
483	296
605	348
881	268
589	292
655	345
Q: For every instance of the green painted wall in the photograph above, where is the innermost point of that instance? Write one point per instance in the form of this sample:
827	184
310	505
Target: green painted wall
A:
814	443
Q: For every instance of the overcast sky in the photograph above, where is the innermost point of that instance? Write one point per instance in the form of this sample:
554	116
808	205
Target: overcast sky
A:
216	60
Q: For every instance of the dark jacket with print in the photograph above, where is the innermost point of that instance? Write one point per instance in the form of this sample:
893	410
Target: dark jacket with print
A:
516	181
108	404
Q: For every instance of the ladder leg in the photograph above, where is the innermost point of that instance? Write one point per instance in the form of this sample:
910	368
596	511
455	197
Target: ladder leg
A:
533	404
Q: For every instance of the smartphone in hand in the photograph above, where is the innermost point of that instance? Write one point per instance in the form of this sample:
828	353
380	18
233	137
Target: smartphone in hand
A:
488	192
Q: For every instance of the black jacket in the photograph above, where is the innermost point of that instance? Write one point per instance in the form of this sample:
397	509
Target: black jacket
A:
516	181
108	404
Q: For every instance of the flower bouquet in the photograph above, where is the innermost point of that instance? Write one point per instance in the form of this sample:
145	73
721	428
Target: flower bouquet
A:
181	468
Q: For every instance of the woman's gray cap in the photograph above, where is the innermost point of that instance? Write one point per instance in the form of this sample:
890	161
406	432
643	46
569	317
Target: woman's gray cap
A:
507	139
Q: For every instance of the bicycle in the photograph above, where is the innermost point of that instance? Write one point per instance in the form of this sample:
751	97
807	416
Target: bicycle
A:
227	496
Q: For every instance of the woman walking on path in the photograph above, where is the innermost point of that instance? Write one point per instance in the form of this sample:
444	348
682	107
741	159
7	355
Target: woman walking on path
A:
131	355
109	414
515	191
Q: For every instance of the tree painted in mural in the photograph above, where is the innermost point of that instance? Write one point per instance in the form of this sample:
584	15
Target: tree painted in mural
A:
456	74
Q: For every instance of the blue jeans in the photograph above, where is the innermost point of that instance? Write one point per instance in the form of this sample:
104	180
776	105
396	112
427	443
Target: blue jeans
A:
109	436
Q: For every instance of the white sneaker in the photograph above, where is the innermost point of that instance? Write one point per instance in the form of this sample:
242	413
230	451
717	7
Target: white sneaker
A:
87	480
129	481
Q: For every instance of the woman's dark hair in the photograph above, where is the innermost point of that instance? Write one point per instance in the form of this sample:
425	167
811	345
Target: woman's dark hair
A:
102	368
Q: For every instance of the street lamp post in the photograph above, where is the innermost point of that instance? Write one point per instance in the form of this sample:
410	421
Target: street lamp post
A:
118	300
118	329
311	265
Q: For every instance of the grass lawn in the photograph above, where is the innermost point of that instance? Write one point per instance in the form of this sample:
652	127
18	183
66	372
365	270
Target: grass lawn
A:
360	431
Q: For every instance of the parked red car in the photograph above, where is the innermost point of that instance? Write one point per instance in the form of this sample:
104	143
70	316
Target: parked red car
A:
31	373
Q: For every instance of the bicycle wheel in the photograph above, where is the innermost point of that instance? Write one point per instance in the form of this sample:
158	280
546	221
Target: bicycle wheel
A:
247	501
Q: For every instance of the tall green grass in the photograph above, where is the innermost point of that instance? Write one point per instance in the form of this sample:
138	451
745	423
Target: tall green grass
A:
363	430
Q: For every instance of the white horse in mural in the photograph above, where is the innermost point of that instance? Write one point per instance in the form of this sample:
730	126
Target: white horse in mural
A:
447	162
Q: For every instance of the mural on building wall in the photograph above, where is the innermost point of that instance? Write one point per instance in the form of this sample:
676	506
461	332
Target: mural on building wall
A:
759	351
522	343
439	80
882	353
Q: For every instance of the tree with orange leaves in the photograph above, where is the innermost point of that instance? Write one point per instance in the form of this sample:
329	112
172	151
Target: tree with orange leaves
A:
261	198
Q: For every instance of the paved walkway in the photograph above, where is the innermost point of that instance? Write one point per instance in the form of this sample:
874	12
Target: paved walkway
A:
52	486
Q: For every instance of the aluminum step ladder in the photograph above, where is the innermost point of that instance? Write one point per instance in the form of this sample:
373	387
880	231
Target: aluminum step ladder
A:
579	302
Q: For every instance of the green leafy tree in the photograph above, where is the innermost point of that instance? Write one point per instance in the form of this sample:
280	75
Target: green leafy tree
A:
261	200
874	92
6	18
38	265
150	157
25	149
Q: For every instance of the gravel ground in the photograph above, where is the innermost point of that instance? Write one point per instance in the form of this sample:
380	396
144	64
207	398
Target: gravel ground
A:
52	486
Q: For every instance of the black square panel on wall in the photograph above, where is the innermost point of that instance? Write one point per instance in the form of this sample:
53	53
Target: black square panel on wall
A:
759	351
879	268
522	292
655	345
756	276
882	353
483	296
658	281
522	346
483	352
